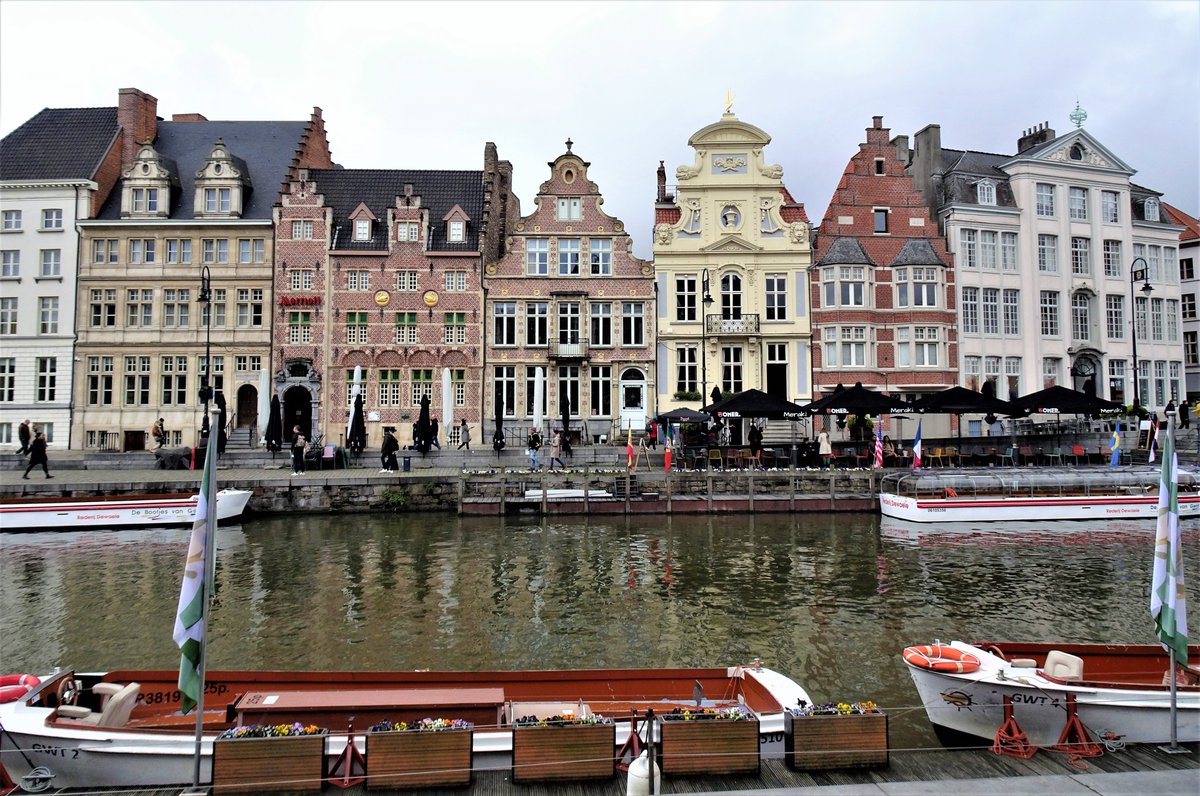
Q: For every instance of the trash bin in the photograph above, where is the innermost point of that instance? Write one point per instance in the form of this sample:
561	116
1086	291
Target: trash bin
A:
407	464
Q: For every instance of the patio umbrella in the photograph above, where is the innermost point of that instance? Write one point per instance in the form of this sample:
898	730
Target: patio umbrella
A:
264	405
684	415
222	437
422	441
565	402
498	434
275	427
755	403
1059	400
357	438
447	401
857	400
960	400
355	391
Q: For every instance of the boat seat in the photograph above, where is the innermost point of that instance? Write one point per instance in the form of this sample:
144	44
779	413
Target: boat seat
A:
1063	665
116	711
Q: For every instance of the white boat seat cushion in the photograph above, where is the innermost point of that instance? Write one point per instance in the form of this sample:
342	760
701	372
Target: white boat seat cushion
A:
1063	665
116	712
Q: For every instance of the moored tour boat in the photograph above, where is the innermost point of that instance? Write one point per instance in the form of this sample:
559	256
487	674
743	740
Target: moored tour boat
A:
1041	493
1121	691
145	740
115	511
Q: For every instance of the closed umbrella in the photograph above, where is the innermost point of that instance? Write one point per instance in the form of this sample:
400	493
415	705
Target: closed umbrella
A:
498	434
423	426
355	391
565	402
264	404
222	437
356	440
275	427
539	396
447	401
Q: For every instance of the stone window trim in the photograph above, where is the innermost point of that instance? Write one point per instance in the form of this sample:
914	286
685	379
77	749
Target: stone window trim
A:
456	221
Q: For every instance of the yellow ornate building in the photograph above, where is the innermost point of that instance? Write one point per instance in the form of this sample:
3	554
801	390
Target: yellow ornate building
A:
732	250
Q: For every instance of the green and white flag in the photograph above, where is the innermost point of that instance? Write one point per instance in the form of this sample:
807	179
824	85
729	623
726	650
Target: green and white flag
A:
1168	599
197	584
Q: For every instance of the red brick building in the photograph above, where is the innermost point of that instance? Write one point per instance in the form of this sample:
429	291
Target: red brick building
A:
380	269
570	298
883	309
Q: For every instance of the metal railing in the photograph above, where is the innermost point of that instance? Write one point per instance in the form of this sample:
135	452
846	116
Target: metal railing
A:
715	324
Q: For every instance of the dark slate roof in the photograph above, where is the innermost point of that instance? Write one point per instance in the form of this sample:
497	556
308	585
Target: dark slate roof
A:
59	144
266	149
345	189
845	251
963	169
916	251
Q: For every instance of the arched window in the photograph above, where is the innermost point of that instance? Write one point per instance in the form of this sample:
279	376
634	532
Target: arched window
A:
731	297
985	192
1076	152
1152	209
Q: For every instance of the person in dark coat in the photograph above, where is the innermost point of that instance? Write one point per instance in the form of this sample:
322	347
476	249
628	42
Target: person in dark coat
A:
433	433
298	445
464	434
37	455
25	436
756	438
1184	420
387	455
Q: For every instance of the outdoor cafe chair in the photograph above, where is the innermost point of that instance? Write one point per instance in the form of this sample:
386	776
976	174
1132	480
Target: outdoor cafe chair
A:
733	458
1008	457
715	457
937	458
1077	451
1027	455
1055	457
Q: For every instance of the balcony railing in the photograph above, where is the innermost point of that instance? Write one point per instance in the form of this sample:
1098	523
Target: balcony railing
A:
572	350
715	324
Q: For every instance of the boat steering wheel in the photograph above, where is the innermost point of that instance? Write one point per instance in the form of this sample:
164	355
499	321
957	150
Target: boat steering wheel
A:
68	692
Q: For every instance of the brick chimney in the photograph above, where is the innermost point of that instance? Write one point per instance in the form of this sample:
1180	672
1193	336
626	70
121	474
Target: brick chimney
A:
137	113
1035	136
662	183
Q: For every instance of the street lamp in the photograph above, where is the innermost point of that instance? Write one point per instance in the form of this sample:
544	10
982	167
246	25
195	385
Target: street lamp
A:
1135	274
707	301
206	391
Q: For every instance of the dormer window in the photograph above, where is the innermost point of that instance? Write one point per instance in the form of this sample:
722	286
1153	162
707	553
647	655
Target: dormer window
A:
456	225
221	184
1151	208
146	185
985	192
362	218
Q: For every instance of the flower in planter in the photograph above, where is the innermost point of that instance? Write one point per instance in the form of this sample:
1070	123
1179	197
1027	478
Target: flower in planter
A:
688	714
561	721
271	731
424	725
833	708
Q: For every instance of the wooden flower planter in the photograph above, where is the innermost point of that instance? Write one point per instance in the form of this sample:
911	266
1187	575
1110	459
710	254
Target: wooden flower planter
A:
268	765
419	759
574	751
857	740
710	746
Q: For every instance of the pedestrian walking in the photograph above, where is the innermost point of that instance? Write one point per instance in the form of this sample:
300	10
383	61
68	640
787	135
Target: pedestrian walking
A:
299	443
160	432
464	435
37	455
825	448
533	446
556	451
25	436
1184	420
433	433
652	434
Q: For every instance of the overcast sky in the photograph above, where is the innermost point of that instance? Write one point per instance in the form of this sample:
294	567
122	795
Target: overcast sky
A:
424	85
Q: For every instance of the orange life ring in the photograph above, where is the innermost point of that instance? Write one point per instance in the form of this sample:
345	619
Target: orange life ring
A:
15	686
941	658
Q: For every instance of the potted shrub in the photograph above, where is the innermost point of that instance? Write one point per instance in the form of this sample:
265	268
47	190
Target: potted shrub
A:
420	754
835	735
263	758
566	747
709	741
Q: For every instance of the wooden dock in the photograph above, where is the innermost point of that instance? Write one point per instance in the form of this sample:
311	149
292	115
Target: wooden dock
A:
919	765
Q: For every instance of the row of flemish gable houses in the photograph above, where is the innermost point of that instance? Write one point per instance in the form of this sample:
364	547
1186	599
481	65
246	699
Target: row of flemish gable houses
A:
930	268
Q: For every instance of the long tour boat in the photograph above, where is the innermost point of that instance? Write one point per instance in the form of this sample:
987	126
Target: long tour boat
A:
125	728
113	511
1121	692
1028	493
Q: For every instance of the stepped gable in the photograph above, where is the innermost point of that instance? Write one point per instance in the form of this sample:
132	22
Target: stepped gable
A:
265	148
59	143
439	191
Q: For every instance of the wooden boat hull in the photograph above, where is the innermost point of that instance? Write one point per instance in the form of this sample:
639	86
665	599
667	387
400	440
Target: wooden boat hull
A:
156	746
137	511
1121	692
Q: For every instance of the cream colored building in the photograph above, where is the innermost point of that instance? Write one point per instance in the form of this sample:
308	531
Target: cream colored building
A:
733	233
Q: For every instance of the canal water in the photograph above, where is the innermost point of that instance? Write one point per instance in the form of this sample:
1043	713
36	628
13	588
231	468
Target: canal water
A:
830	600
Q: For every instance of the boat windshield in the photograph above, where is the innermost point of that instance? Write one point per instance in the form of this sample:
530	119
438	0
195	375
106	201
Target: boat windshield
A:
1032	482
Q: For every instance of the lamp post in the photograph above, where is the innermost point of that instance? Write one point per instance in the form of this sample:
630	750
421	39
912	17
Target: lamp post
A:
206	391
706	300
1135	274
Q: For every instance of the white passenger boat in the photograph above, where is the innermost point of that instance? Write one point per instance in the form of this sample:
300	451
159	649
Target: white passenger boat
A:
1120	691
1029	493
125	728
115	511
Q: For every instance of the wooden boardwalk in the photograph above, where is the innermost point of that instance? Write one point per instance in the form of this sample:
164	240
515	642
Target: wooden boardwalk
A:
928	765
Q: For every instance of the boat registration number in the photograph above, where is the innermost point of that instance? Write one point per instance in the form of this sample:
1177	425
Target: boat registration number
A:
171	697
55	751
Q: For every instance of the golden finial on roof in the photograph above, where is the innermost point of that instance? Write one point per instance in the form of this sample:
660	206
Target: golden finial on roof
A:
729	100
